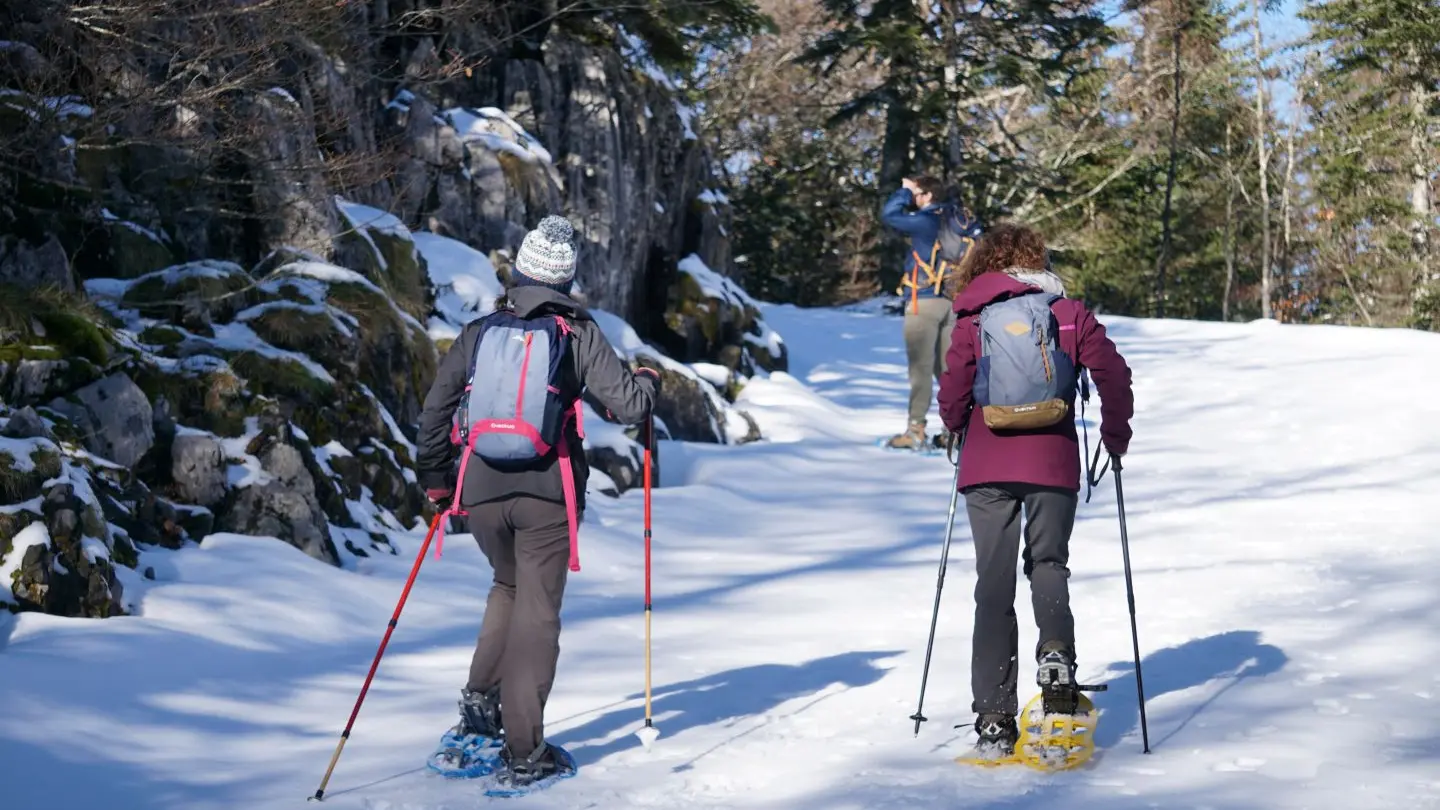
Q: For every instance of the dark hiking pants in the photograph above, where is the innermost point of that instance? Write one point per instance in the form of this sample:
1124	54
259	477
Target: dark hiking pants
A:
995	524
527	541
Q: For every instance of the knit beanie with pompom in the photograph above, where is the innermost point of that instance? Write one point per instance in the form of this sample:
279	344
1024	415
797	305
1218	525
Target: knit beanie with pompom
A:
547	256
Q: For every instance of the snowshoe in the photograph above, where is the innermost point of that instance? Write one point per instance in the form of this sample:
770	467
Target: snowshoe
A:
996	746
1057	731
544	767
472	747
913	440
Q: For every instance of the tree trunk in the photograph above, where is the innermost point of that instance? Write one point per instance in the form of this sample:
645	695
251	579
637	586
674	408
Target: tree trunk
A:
1420	206
1264	160
895	164
1178	26
1290	178
1229	228
954	147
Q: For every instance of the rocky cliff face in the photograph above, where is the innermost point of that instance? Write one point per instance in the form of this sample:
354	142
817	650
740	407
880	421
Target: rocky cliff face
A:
200	337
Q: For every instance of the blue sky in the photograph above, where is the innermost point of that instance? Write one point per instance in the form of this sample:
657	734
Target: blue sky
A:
1284	26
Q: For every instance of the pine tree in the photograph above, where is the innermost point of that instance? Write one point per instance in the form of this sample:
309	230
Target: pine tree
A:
1376	155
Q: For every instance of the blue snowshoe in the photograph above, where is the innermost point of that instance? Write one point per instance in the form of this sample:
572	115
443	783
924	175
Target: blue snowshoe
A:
544	767
472	748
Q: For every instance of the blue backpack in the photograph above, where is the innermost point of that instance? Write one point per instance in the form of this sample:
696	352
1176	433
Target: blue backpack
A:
515	414
513	410
1023	381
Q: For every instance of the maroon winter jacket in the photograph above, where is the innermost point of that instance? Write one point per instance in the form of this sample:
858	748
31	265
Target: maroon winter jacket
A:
1045	457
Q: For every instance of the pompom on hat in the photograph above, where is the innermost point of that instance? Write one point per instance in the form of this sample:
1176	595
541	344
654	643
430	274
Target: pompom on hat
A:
547	256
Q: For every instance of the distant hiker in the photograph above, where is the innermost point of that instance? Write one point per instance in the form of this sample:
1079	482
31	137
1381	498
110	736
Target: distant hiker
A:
1016	354
940	233
531	360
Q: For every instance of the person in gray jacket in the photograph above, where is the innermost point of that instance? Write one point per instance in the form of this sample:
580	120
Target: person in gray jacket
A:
519	517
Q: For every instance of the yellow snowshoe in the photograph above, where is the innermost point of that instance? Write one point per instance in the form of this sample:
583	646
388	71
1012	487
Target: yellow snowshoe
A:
1054	741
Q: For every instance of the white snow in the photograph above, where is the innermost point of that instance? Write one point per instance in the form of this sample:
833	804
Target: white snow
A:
238	337
396	435
33	535
1284	588
20	450
600	433
464	280
497	131
343	321
331	274
364	216
712	197
363	219
139	229
713	373
204	268
713	284
248	471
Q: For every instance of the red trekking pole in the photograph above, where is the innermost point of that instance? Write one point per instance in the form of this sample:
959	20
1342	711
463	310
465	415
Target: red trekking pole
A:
648	734
404	594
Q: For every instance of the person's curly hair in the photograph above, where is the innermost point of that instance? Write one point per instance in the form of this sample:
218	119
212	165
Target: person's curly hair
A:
1001	248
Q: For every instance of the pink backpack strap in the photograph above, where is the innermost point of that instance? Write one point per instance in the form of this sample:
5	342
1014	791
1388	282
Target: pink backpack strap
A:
567	484
455	508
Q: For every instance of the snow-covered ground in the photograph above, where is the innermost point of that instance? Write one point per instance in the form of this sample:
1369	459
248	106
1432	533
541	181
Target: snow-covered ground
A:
1280	485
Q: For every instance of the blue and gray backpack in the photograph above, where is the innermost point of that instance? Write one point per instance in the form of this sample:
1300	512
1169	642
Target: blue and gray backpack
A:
1023	381
516	414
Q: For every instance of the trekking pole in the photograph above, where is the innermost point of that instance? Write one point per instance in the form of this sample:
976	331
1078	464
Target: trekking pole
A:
394	619
649	733
918	717
1130	597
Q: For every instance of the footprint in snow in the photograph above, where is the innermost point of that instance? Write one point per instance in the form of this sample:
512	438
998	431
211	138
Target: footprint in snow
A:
1240	765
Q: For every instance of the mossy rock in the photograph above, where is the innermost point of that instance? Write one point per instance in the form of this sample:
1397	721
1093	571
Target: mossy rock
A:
21	485
11	524
406	277
327	490
685	406
47	316
305	331
30	375
213	400
134	254
164	338
280	378
396	358
195	293
123	551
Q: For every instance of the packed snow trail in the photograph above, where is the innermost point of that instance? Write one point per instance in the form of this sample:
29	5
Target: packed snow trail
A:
1280	485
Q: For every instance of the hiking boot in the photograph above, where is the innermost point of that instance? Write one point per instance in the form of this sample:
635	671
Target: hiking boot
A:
480	714
998	735
547	762
911	439
468	749
941	440
1055	674
1056	665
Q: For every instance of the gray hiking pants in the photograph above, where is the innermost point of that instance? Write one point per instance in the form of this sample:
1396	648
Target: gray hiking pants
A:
527	541
927	339
994	511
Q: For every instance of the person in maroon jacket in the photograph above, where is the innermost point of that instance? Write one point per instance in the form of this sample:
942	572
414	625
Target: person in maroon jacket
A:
1037	470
